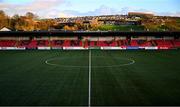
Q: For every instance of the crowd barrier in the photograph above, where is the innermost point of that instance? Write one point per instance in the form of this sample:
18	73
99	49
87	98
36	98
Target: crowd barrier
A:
12	48
74	48
44	48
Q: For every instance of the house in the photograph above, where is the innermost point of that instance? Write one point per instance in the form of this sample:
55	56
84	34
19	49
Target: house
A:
5	29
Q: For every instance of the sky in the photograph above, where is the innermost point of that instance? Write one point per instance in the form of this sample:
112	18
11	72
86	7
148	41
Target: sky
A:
72	8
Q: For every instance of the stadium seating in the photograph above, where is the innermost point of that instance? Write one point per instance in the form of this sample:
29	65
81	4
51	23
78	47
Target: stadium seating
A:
144	43
23	43
176	43
28	44
122	43
134	43
75	43
7	43
57	43
43	43
163	43
92	43
33	44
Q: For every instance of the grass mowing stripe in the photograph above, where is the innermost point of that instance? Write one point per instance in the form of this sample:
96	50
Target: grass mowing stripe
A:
89	99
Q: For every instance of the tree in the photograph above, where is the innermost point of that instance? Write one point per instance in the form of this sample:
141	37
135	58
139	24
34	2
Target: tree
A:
94	24
67	28
4	21
2	13
31	15
16	17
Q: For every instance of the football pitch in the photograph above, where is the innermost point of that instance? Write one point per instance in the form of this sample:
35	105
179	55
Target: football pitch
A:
89	78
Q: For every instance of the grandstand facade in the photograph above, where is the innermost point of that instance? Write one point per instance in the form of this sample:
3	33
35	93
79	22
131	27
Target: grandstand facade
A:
89	40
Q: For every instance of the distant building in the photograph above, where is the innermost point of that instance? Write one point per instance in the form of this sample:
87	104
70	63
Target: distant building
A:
141	14
87	24
5	29
68	24
120	22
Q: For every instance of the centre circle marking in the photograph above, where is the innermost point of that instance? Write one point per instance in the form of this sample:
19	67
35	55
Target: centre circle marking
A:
48	62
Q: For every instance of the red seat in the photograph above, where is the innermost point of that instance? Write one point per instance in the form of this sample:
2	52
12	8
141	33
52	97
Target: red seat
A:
176	43
8	43
164	43
134	43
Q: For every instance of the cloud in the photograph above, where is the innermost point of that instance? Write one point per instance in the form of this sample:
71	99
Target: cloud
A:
176	14
51	9
105	10
36	6
42	4
102	10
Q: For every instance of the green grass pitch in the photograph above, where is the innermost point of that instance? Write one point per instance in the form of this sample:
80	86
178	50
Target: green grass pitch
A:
61	78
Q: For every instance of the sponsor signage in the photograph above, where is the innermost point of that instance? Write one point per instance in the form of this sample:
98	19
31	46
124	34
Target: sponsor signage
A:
113	48
44	48
94	47
151	48
12	48
164	48
57	48
130	47
74	48
141	47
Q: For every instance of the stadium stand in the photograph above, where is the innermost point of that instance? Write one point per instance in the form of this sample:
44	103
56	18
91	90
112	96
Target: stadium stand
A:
176	43
43	43
145	43
134	43
34	43
7	43
57	43
162	43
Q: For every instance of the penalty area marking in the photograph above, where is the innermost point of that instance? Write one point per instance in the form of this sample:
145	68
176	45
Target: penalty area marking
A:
131	62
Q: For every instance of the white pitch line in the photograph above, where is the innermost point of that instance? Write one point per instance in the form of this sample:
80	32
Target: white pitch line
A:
89	98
